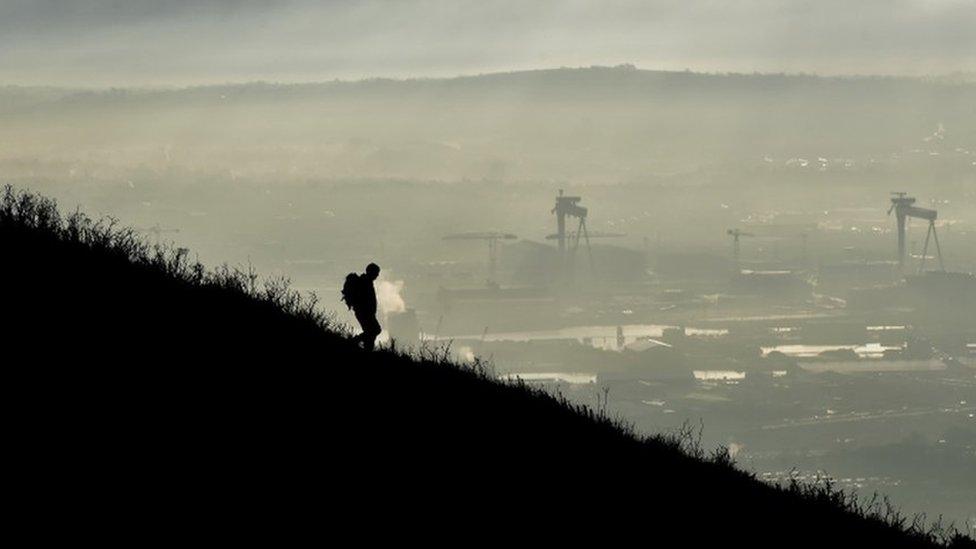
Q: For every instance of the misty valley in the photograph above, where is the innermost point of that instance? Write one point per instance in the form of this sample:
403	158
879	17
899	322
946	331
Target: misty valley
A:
714	253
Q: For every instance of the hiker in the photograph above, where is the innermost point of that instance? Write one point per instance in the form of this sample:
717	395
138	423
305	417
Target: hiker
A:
360	296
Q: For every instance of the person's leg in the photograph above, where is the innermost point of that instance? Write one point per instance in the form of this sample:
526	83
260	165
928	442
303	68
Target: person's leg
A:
364	325
371	330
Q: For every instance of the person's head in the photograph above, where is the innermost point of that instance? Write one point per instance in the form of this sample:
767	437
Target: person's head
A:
372	271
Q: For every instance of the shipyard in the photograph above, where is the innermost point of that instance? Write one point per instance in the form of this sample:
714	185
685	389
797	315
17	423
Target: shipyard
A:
812	338
802	297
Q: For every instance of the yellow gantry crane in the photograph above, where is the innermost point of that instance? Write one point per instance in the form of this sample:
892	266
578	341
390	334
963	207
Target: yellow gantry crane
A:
568	206
904	208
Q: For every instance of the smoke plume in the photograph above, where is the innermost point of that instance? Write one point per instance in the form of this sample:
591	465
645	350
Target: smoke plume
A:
388	297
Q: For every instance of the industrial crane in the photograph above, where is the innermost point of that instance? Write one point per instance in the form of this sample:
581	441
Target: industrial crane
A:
568	206
904	208
493	238
736	234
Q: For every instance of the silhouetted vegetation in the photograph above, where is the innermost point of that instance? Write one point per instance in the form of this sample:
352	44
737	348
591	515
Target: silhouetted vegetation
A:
156	390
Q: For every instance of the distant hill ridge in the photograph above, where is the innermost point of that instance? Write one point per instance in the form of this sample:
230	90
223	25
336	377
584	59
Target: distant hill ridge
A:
595	74
603	123
158	401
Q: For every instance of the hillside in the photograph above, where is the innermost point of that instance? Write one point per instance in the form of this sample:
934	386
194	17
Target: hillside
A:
156	400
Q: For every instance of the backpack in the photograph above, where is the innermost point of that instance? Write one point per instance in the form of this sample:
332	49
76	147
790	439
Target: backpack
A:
350	290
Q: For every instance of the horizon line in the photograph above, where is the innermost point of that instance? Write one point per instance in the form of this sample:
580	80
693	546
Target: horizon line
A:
459	76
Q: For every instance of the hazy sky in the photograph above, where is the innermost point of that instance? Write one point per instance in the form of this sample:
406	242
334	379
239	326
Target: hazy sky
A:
176	42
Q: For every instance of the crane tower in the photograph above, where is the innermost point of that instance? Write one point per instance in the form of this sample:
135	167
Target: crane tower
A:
904	208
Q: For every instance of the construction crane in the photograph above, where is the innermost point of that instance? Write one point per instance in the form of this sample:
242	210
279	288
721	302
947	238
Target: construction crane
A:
568	206
736	234
904	208
493	238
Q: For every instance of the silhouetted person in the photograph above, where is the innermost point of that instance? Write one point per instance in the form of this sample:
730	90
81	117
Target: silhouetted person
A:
360	296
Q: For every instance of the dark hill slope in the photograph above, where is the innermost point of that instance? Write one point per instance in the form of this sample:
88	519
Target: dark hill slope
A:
155	401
